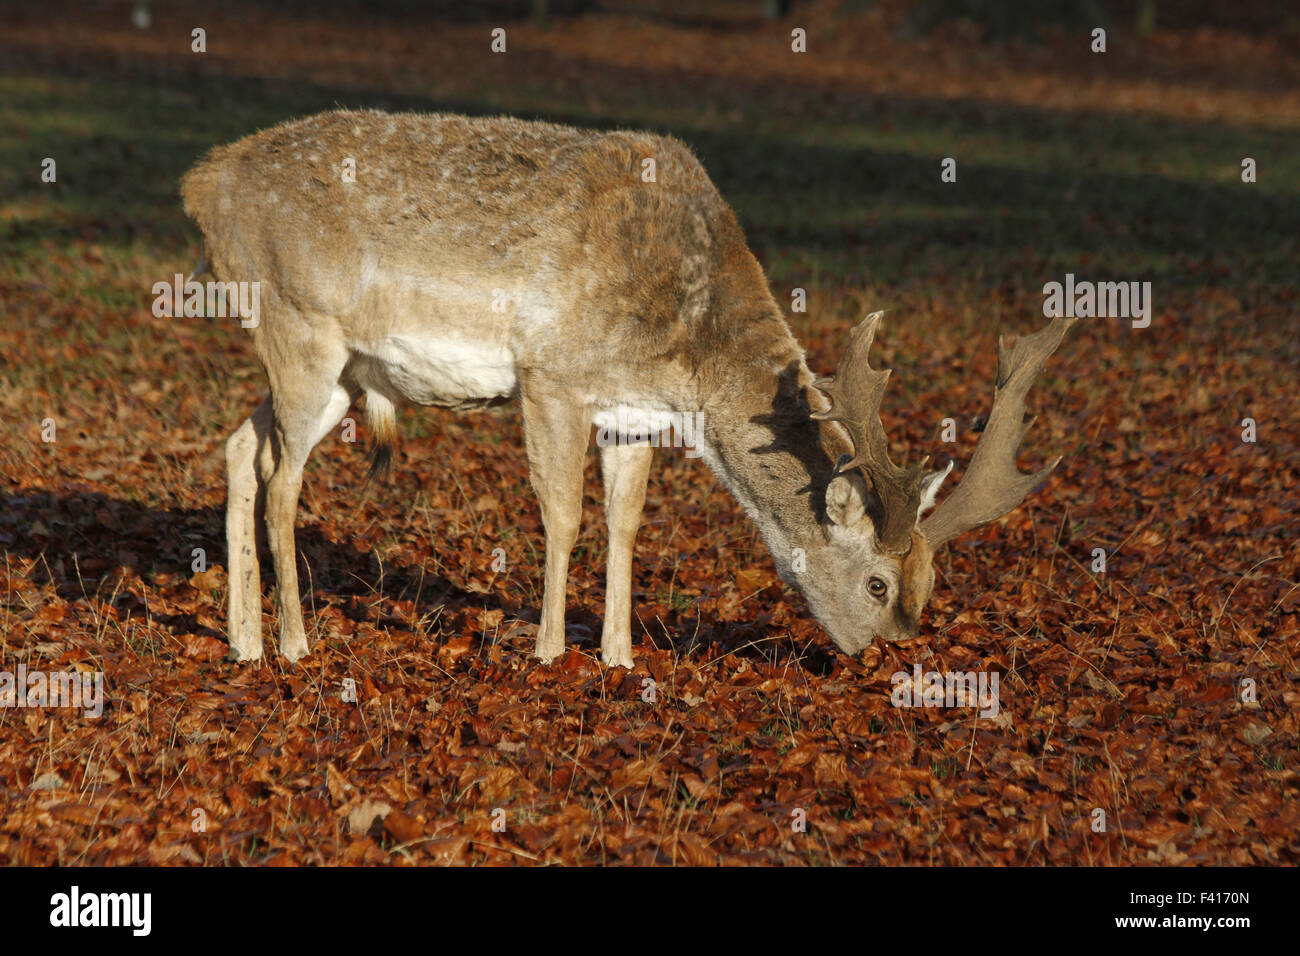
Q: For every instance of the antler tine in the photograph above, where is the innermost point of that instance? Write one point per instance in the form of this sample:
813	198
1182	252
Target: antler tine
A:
993	485
855	393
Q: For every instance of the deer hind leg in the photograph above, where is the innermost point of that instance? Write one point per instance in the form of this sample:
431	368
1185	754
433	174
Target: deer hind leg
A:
307	407
626	469
556	430
247	452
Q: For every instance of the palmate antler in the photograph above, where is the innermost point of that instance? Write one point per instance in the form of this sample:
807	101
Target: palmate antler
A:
855	392
992	485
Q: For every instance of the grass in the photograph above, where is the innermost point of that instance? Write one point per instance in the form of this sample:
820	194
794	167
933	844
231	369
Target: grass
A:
840	195
1037	194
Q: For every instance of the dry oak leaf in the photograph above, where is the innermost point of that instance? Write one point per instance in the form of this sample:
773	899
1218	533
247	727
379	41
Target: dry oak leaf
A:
336	783
177	851
448	850
830	770
799	757
1255	733
204	648
455	648
52	613
688	848
47	781
697	788
636	773
364	813
403	827
75	813
212	579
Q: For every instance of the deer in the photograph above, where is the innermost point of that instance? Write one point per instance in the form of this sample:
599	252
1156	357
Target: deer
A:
471	261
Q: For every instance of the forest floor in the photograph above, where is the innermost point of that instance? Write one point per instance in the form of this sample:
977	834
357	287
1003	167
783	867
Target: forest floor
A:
1158	695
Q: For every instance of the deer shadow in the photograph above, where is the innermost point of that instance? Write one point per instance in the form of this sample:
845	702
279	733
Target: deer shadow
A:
82	542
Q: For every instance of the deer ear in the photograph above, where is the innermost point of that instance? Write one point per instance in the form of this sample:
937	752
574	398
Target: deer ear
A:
846	498
930	487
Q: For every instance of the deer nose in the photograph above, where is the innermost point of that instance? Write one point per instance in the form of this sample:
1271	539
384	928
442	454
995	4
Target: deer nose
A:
905	628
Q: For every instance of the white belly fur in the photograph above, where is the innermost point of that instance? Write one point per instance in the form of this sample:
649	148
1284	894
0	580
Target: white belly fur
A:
438	370
627	419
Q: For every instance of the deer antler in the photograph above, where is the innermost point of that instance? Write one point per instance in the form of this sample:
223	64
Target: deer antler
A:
855	393
993	485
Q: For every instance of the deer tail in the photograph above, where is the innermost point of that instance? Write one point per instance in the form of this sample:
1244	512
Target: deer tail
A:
381	419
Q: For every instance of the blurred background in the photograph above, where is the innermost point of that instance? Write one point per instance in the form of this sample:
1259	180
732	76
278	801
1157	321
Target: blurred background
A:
1122	165
1125	164
1117	165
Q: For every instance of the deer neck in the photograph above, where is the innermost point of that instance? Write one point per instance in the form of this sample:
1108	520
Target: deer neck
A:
767	451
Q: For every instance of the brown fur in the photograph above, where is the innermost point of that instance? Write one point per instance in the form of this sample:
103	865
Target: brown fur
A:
479	259
917	581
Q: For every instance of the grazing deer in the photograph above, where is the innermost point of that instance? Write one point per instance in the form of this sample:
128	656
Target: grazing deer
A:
473	260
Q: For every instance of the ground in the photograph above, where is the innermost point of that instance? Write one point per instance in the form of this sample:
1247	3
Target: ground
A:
1160	692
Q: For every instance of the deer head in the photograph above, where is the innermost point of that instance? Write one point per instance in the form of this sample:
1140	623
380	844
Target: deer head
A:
872	573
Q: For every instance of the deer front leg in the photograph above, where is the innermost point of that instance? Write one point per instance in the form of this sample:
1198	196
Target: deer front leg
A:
625	469
556	429
303	415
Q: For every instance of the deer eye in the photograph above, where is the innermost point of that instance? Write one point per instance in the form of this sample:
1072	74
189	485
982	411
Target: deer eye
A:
877	587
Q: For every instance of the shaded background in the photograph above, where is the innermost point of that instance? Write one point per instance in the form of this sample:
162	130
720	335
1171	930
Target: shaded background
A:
1123	166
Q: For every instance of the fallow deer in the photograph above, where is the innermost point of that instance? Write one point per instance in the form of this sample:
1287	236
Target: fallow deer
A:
474	260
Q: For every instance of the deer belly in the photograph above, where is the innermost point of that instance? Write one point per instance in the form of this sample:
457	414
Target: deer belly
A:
447	372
